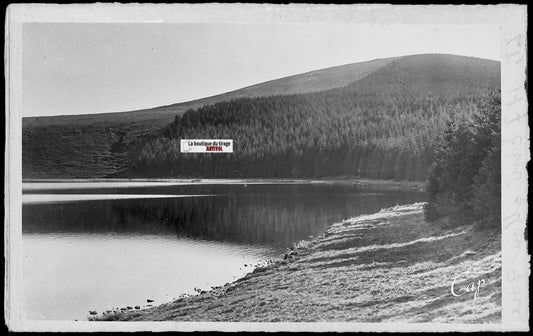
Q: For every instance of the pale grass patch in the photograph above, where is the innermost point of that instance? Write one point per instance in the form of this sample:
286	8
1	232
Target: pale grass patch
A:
350	253
303	244
377	219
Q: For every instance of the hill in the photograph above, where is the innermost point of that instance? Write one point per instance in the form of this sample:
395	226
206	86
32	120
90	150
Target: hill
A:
377	119
92	145
383	126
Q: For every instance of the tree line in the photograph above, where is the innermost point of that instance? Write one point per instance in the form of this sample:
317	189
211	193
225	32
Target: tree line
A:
385	126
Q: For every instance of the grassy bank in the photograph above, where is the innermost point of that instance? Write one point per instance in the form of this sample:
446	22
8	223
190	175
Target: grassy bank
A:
385	267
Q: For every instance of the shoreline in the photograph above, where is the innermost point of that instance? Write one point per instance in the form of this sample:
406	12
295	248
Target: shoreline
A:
386	267
369	184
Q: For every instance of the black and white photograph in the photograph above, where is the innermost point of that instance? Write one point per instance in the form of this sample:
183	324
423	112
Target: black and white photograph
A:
250	167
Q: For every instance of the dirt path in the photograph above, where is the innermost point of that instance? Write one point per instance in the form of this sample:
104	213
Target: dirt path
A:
389	266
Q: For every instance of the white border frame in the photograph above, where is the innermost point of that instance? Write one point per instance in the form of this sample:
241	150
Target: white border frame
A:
512	20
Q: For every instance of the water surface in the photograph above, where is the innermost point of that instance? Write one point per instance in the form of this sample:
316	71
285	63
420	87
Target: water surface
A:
93	246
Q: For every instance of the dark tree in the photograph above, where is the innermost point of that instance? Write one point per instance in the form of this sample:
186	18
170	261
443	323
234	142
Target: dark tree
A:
464	181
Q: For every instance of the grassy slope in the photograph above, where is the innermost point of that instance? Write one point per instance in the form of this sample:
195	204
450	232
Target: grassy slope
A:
387	267
81	146
312	81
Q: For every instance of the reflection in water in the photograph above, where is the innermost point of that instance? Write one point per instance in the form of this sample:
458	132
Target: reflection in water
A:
55	198
277	215
65	275
99	254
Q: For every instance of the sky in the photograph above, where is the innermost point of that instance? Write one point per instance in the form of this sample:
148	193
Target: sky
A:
81	68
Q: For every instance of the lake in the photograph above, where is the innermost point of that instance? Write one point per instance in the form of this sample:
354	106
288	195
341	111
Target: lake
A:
104	245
